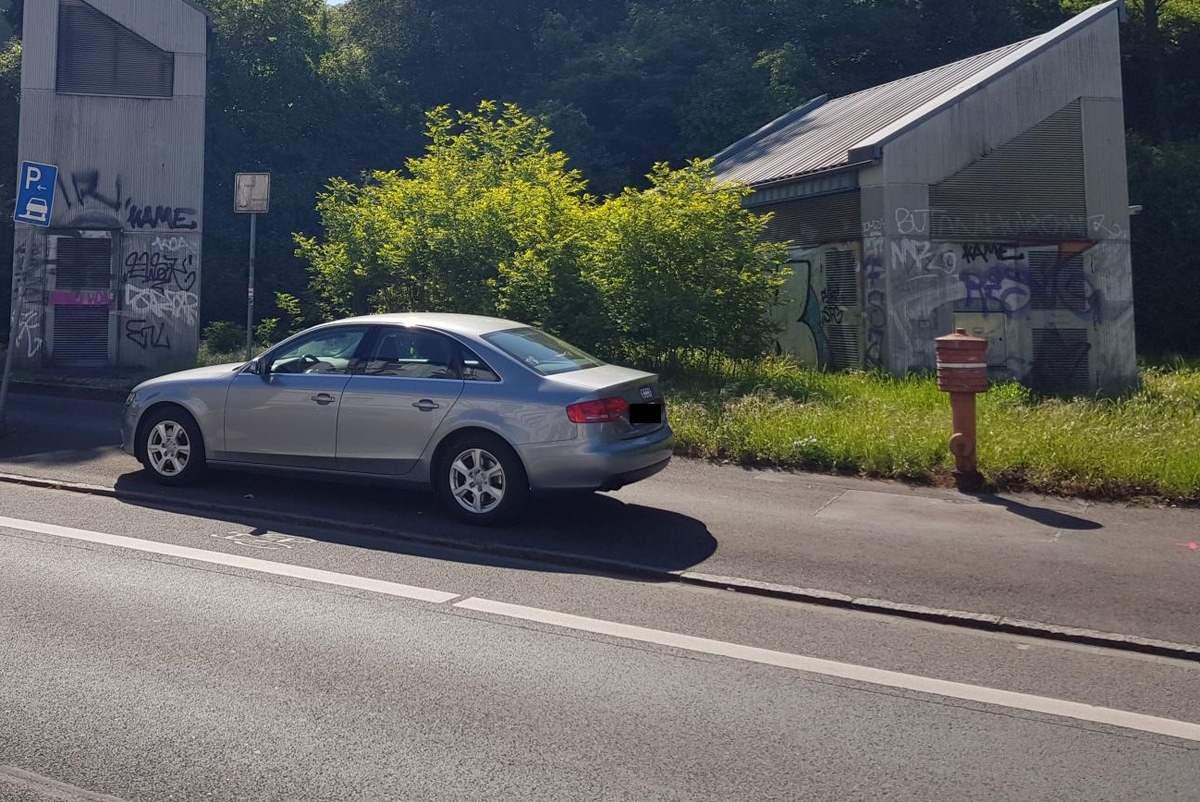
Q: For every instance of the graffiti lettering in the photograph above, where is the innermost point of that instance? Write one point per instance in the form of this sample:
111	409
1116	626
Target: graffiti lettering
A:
28	326
83	298
924	256
157	270
1100	226
999	289
910	222
175	244
831	311
162	303
983	251
146	334
178	217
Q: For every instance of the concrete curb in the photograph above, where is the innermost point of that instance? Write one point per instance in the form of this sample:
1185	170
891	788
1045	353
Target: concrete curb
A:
977	621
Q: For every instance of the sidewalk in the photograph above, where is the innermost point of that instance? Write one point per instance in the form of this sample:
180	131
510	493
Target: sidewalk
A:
1063	563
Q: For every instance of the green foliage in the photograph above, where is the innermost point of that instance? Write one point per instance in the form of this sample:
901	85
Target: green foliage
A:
683	266
1165	180
223	336
491	221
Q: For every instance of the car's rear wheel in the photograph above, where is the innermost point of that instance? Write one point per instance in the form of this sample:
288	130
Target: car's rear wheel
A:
481	480
172	448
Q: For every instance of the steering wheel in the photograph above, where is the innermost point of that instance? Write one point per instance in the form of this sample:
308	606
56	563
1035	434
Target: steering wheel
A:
308	362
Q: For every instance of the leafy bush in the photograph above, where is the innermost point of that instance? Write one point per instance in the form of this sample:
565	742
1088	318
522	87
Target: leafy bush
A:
222	336
490	221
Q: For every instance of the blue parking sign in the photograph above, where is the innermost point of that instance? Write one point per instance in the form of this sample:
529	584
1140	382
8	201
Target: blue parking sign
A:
35	193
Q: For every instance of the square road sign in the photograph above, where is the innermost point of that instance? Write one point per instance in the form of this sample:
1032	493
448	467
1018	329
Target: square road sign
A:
35	193
252	193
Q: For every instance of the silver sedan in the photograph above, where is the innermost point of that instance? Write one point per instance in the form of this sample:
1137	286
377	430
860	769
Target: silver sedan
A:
483	411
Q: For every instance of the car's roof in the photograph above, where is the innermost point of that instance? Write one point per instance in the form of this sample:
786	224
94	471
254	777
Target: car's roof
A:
471	325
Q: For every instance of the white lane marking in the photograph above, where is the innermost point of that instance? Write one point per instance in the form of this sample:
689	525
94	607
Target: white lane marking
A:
814	665
44	786
830	668
235	561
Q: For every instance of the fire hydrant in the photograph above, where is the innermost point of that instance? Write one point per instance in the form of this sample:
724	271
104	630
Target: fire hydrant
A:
962	372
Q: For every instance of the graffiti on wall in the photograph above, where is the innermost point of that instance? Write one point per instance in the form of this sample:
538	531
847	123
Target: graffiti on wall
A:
874	292
147	334
28	266
160	277
87	192
803	334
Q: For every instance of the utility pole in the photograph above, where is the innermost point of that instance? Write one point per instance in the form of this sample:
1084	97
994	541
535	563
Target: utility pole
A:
252	196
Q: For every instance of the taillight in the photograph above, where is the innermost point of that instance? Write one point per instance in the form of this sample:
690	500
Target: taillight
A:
602	411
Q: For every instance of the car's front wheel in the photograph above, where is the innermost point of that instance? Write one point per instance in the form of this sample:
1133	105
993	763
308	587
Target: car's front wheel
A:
171	448
481	480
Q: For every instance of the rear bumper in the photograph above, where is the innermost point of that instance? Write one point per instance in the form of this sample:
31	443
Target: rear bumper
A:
584	464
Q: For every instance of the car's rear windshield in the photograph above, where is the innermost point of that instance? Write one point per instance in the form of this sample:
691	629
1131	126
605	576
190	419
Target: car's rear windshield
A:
541	352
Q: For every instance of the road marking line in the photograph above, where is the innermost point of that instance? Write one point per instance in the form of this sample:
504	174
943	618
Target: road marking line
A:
812	665
46	786
830	668
235	561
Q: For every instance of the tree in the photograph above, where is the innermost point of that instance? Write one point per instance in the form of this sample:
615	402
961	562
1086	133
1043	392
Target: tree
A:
683	266
491	221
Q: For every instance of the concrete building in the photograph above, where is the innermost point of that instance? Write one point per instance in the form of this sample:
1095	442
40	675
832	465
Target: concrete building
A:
106	268
989	194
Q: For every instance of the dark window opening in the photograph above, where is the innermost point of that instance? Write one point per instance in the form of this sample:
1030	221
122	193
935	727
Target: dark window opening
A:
99	56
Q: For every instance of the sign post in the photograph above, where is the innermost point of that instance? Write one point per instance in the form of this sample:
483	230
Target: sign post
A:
252	196
35	202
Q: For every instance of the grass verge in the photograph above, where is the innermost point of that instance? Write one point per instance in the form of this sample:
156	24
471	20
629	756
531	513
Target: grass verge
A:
774	413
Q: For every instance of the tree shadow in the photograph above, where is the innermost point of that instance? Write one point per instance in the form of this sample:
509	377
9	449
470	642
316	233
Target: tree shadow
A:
585	533
1041	515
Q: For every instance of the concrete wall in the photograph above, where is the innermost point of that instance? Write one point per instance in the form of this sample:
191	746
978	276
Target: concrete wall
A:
932	285
132	167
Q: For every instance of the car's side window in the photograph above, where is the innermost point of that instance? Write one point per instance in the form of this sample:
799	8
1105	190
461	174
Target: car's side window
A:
325	351
475	369
412	354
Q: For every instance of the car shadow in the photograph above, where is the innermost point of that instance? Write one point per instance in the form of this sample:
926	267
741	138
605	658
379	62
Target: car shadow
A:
585	533
1041	515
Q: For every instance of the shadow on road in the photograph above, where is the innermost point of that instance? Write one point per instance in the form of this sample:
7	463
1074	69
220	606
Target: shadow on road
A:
45	430
1041	515
581	531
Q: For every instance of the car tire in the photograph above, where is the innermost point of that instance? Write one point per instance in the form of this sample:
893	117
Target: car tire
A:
481	480
171	447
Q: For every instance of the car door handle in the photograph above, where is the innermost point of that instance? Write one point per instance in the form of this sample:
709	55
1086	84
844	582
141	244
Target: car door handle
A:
425	405
323	398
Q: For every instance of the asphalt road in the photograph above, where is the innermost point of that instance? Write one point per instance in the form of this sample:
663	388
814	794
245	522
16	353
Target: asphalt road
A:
1102	567
154	655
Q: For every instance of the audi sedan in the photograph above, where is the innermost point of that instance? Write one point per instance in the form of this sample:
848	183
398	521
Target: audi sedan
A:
485	412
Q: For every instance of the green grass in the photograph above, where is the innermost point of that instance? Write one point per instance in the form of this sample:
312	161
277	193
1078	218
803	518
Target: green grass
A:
774	413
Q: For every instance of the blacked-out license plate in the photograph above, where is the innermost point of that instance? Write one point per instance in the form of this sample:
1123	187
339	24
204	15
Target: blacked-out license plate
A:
645	413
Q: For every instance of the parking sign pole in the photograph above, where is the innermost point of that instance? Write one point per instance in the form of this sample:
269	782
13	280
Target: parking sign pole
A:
252	196
250	296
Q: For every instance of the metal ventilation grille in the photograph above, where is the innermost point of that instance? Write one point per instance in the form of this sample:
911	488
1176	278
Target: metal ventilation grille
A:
99	56
1056	283
84	263
80	335
845	349
1030	188
809	221
841	278
1061	364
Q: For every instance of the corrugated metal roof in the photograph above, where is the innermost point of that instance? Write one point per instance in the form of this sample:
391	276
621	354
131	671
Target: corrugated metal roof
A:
821	134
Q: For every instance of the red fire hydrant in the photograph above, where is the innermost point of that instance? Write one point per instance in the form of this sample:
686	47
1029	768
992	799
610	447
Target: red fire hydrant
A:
962	372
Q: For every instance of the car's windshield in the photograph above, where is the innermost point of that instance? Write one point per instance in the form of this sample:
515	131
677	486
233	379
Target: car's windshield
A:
541	352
